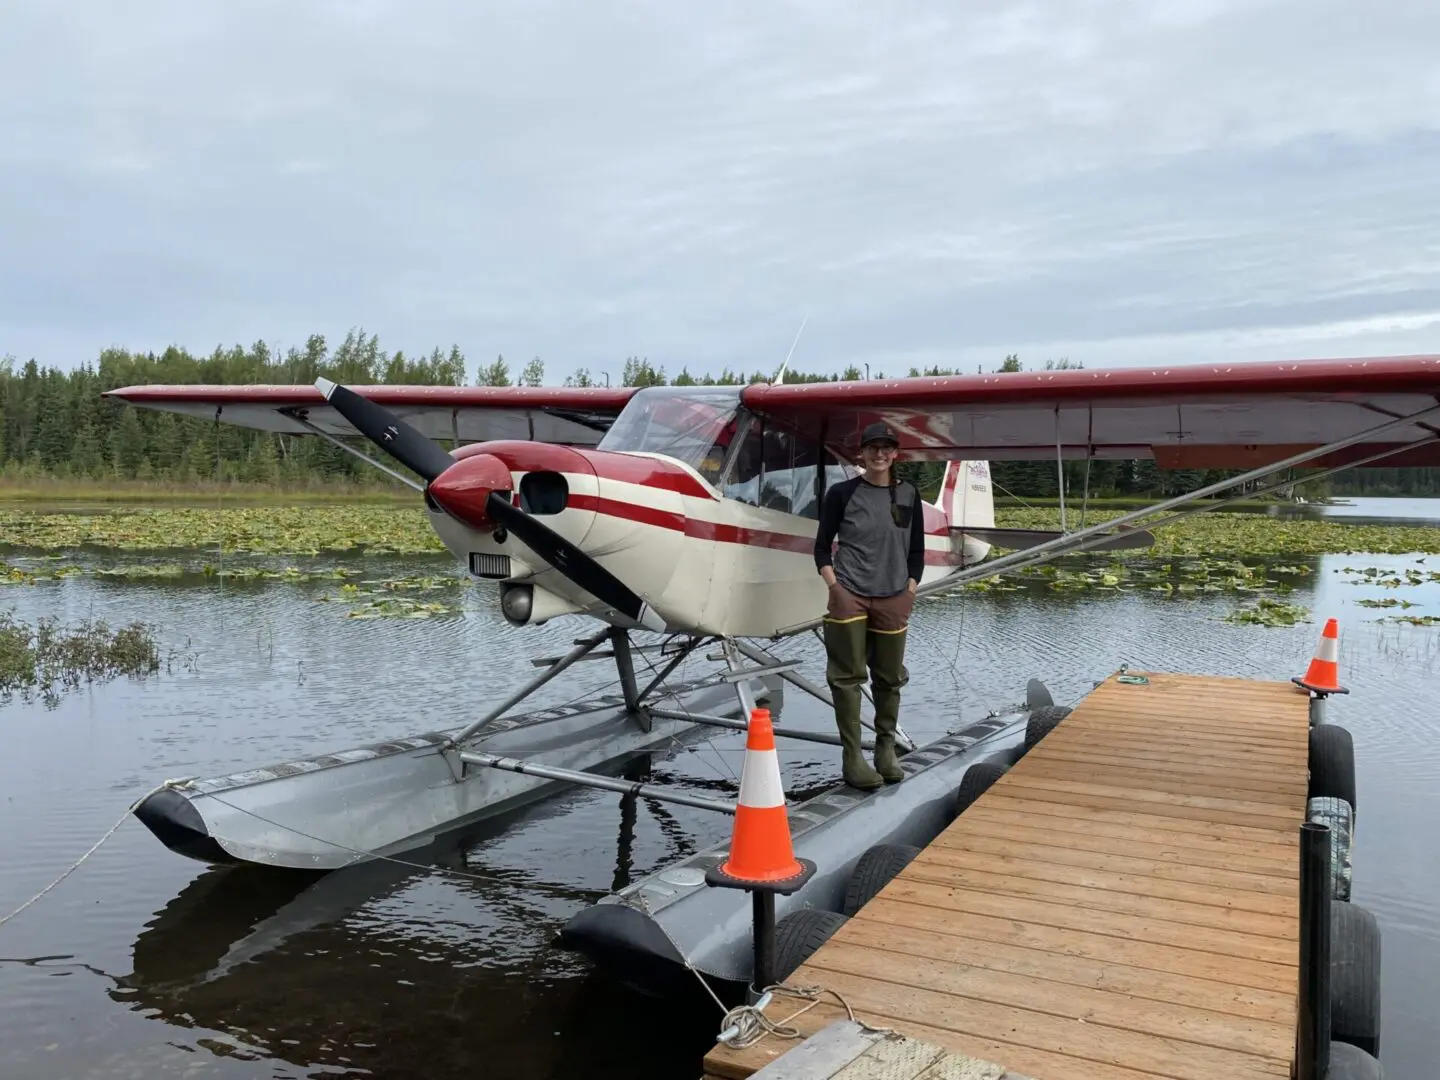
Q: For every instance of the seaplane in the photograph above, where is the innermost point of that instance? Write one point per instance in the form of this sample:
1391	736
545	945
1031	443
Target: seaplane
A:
689	515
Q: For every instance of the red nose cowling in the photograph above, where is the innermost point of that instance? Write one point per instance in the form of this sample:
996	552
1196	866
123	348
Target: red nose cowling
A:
464	487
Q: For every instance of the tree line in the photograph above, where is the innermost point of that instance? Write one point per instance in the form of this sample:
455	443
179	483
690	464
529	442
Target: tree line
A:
56	423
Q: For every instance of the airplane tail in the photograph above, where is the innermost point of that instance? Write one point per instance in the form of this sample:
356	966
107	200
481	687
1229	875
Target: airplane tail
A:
966	498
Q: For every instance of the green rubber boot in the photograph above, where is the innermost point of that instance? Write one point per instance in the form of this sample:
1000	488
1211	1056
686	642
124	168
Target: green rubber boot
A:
845	672
888	677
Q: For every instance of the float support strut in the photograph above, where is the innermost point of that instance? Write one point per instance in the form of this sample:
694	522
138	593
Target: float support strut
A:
605	783
534	684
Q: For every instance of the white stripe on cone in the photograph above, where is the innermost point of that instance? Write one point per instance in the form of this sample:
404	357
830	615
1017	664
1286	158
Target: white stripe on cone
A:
1329	649
760	780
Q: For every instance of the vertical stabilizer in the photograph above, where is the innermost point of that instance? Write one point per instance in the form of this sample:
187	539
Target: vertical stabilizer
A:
965	495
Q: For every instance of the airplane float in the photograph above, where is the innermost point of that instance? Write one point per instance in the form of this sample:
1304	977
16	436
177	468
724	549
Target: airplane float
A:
689	513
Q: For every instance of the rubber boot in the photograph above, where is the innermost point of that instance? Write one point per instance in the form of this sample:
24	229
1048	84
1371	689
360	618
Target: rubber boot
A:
888	677
845	672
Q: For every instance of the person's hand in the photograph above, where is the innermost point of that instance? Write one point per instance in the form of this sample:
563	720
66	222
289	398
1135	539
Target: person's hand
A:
910	585
828	573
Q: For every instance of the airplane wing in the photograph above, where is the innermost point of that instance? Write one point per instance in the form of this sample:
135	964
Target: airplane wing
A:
1235	416
574	416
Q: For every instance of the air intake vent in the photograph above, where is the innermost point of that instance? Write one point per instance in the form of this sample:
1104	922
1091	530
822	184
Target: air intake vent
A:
483	564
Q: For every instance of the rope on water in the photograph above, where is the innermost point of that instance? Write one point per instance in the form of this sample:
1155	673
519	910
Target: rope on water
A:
94	848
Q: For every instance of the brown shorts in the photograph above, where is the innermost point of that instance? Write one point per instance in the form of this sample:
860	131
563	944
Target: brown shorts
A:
887	614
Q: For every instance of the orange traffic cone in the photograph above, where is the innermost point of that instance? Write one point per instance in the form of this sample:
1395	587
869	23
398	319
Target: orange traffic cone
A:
761	855
1323	675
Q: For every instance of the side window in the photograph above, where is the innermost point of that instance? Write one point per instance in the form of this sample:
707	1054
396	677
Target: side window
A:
777	481
710	465
744	482
776	469
788	483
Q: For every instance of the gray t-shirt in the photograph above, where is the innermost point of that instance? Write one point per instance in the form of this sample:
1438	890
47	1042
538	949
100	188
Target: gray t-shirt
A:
876	554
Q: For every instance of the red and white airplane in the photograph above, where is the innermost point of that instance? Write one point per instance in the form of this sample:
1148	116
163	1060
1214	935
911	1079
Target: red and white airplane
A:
692	511
669	509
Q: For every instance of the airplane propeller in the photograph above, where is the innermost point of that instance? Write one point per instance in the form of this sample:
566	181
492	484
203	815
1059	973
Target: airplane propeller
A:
429	460
420	455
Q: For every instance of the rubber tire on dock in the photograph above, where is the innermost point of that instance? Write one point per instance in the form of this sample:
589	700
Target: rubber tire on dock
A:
1042	721
1351	1063
799	934
873	871
1355	977
1332	764
974	783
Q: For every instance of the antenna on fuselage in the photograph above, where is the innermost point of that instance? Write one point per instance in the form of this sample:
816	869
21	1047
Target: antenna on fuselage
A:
780	375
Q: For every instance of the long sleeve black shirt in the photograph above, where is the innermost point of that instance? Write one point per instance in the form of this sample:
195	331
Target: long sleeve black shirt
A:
881	532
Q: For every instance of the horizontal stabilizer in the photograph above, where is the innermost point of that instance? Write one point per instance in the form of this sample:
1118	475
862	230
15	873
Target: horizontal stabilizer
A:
1020	539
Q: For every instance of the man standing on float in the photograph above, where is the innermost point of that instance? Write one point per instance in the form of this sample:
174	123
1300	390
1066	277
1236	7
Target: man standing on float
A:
872	576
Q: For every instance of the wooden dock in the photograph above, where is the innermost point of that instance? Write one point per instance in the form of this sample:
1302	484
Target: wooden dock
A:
1121	905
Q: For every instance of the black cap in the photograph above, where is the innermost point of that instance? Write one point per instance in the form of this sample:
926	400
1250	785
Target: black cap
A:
879	432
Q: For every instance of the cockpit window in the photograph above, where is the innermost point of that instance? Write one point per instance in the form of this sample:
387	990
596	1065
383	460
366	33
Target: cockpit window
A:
692	424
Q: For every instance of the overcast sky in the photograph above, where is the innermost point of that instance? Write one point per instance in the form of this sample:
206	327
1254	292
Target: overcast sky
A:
1117	182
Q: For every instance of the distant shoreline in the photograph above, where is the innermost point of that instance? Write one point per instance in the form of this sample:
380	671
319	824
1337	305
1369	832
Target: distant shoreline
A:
140	492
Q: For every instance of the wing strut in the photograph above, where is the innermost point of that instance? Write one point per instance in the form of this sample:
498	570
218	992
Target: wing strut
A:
361	455
1069	541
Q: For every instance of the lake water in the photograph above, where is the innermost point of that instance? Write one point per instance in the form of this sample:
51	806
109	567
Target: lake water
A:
144	964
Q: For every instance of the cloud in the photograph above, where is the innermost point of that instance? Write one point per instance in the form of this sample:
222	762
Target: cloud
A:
1205	179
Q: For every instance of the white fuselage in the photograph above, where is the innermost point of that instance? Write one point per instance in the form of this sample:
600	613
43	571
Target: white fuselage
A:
708	564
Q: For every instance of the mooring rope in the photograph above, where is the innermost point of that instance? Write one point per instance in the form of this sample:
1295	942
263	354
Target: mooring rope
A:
94	848
169	785
749	1023
745	1025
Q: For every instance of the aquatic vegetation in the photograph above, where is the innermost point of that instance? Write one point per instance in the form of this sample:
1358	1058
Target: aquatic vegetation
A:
400	607
1390	579
1413	620
372	529
261	530
1216	534
1267	612
48	658
387	605
18	575
1171	577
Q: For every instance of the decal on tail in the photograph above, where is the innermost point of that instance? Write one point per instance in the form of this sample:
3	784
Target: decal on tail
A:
965	495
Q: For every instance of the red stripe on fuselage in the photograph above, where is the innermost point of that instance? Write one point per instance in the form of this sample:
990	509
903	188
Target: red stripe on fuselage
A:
720	532
646	472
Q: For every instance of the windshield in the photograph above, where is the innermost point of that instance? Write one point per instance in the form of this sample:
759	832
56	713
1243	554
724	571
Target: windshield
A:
693	424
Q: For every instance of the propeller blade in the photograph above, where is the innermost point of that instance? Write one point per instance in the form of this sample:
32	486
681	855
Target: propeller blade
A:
386	430
572	562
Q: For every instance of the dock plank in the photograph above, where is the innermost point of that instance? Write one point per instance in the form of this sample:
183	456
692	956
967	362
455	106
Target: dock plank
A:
1122	903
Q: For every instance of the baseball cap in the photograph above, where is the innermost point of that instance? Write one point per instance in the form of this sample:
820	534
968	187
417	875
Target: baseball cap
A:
879	432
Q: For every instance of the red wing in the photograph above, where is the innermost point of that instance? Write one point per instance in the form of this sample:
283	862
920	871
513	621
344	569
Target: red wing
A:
1238	416
574	416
